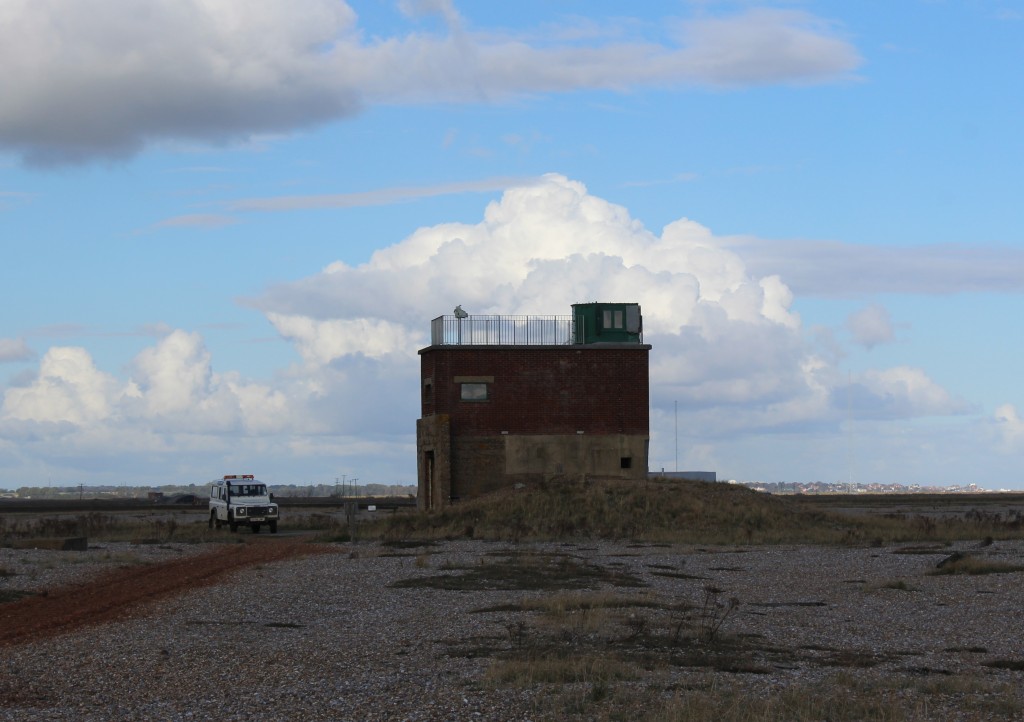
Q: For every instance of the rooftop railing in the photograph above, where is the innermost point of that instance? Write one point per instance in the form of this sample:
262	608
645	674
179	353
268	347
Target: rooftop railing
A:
502	331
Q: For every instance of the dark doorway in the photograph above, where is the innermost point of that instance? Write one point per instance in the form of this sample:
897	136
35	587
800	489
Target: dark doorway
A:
428	481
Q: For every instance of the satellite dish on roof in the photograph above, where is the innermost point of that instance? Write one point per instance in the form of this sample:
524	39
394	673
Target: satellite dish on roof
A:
459	313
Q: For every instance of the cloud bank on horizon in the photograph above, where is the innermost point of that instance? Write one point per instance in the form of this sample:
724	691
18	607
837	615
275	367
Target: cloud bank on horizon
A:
727	345
83	85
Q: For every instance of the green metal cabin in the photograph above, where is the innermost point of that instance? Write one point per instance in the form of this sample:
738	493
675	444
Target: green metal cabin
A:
607	323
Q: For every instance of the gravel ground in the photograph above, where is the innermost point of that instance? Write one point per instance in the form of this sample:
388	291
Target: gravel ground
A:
329	637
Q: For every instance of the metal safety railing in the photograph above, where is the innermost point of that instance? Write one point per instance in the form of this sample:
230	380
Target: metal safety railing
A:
502	331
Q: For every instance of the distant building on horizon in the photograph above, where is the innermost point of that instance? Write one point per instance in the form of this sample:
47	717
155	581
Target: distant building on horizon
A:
523	399
684	475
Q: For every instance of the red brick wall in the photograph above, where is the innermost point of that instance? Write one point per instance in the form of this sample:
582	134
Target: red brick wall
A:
597	389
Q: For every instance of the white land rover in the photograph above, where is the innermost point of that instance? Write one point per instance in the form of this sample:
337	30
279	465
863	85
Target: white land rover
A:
241	499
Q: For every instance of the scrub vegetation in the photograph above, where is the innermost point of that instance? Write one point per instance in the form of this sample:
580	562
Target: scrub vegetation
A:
50	530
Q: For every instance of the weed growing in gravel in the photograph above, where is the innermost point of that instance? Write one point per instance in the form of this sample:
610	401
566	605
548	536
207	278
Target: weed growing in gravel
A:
713	613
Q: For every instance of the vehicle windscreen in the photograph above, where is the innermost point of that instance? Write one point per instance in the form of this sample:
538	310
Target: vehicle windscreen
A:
248	490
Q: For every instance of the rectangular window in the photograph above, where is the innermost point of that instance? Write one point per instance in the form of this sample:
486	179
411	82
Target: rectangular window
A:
626	462
474	392
633	318
612	319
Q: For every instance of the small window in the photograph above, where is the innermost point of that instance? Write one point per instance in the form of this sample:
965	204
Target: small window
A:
626	462
607	319
618	320
474	392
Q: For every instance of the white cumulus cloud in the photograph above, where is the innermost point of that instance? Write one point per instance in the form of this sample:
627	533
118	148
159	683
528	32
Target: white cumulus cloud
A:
171	388
726	343
68	388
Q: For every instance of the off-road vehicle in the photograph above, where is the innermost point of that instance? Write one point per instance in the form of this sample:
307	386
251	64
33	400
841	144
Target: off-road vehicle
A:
241	499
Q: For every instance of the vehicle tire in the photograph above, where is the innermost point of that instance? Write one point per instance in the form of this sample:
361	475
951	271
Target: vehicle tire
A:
273	527
232	524
213	519
255	528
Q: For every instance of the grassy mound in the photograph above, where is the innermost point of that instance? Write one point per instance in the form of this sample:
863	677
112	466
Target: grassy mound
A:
656	510
674	511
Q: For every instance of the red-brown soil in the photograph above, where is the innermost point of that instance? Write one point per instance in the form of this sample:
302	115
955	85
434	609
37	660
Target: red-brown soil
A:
123	592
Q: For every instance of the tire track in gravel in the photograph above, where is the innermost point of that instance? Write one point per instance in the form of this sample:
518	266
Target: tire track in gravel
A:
123	592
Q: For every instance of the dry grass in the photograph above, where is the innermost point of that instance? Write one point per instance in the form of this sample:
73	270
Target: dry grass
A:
612	694
155	529
533	571
832	702
589	669
190	527
567	603
577	615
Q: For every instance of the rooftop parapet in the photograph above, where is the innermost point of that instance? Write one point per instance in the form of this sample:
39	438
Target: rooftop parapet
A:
590	323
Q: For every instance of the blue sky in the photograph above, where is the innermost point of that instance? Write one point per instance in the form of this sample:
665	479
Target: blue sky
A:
225	227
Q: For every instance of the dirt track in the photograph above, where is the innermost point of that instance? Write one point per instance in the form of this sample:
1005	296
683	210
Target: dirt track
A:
123	592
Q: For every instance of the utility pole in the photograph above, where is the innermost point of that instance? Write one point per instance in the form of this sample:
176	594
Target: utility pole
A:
676	407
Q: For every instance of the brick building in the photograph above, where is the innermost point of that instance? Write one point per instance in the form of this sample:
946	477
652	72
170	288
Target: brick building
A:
509	399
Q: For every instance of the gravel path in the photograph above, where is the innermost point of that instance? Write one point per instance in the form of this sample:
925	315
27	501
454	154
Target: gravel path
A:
115	593
329	636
